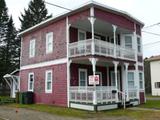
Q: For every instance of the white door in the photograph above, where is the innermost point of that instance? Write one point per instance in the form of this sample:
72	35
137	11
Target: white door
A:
113	81
82	77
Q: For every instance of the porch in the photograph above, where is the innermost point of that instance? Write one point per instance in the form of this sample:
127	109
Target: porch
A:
112	90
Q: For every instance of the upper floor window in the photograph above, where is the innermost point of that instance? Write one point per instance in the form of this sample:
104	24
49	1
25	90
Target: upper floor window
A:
49	42
128	41
48	81
130	79
140	80
157	84
32	48
138	44
31	82
81	35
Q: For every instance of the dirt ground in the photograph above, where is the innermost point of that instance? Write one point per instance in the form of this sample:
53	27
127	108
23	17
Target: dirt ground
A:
8	113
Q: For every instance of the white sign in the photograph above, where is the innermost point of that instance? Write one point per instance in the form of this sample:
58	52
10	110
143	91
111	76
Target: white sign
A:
94	80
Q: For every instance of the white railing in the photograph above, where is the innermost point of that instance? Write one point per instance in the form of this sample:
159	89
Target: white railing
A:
99	47
86	94
132	93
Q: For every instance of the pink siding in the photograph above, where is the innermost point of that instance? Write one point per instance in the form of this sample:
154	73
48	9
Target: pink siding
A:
59	94
142	97
83	15
59	43
114	19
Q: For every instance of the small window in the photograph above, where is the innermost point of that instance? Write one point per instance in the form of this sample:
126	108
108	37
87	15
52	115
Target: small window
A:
49	42
140	80
32	48
30	82
138	44
128	41
82	77
48	81
157	85
81	35
130	79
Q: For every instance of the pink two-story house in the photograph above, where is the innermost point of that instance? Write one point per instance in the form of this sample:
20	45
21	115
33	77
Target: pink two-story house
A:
59	54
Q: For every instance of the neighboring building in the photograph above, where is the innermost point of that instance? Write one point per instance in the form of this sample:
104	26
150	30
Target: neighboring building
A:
59	55
155	75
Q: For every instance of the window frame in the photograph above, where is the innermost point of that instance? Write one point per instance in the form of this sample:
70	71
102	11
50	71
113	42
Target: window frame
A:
141	81
139	44
130	44
82	70
156	85
48	35
81	31
32	47
131	80
30	81
46	81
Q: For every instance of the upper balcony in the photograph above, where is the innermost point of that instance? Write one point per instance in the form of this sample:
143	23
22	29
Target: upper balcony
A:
102	48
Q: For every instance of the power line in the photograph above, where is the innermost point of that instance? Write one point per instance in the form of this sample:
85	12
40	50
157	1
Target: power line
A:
151	43
151	25
57	6
151	33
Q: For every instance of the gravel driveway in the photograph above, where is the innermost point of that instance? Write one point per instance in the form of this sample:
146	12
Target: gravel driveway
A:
8	113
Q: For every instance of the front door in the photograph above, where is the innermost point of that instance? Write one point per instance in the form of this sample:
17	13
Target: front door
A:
82	77
113	81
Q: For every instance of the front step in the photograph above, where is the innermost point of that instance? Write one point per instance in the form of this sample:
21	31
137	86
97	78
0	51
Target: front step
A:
127	104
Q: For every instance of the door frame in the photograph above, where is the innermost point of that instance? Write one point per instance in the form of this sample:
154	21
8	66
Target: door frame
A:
82	70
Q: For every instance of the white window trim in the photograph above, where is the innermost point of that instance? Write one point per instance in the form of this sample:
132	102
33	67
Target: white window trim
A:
47	50
119	81
139	53
46	73
30	52
82	31
133	71
29	82
83	70
141	80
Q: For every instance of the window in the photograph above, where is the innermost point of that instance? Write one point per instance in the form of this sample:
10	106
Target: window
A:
48	81
30	82
157	84
138	44
32	48
130	79
140	80
128	41
82	77
49	42
81	35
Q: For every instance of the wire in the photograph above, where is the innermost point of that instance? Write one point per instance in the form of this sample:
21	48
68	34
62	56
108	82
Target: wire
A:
57	6
151	25
151	43
151	33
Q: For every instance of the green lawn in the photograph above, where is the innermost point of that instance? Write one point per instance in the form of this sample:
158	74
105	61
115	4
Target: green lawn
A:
151	104
133	114
150	96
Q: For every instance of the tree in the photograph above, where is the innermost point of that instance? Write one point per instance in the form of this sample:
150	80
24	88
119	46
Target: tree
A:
35	14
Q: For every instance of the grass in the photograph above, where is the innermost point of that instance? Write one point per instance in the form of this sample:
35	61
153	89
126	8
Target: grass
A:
151	104
131	114
150	96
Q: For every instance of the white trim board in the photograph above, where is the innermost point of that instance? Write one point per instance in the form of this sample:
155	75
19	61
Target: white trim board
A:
43	64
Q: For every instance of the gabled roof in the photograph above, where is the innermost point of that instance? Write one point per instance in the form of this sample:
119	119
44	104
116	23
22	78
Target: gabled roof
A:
154	58
80	8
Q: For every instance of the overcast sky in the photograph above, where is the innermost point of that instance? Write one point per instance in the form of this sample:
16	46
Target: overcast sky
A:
148	11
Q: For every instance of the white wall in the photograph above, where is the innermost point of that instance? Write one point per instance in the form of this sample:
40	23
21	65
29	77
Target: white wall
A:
155	76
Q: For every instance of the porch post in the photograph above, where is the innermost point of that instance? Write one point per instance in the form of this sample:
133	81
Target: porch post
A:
93	62
114	37
126	80
92	21
116	80
107	75
68	61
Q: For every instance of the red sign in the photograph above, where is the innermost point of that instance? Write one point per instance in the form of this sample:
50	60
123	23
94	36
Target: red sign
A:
94	80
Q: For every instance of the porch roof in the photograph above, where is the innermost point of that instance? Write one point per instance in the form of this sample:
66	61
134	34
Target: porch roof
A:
78	9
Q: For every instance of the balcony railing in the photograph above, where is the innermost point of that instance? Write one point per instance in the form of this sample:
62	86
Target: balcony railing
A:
86	94
99	47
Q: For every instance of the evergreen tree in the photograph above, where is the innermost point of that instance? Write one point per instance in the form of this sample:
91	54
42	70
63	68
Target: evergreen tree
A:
35	14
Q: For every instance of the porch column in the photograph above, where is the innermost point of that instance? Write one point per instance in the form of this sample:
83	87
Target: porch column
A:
116	80
107	75
137	85
126	80
114	37
68	80
92	21
93	62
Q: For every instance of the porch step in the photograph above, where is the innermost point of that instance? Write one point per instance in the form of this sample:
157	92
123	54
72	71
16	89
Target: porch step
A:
127	104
